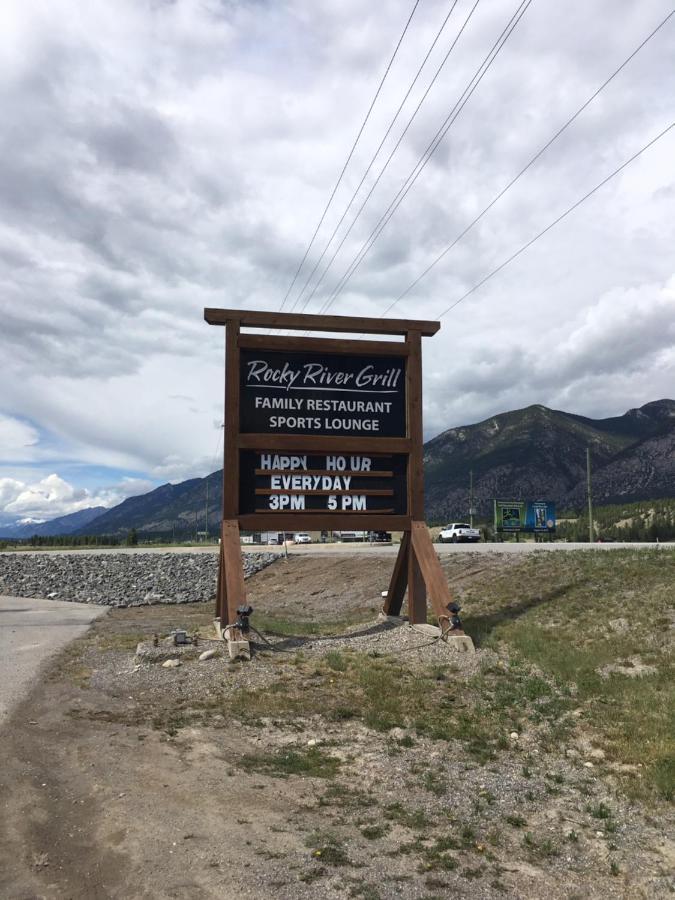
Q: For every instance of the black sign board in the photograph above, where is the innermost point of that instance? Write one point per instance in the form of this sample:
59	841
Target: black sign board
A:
347	483
313	393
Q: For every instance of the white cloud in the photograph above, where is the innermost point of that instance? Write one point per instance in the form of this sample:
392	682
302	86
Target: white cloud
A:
163	157
53	496
40	500
17	439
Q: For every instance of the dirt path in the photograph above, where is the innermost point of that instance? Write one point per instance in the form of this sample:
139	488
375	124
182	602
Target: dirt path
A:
31	631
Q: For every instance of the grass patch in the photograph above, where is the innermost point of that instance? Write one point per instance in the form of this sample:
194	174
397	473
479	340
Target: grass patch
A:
561	621
312	762
516	820
336	661
540	849
327	849
412	818
375	831
436	857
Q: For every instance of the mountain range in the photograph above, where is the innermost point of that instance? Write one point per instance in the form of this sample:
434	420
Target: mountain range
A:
69	524
539	453
533	453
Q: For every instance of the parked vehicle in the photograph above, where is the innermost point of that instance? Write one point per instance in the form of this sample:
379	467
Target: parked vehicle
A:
379	537
351	536
458	533
363	537
302	538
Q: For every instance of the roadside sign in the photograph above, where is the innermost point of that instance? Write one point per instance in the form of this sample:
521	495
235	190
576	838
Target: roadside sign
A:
528	516
325	434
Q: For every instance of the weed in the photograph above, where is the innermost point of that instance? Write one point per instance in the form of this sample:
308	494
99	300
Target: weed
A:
313	874
336	661
434	783
662	773
348	798
313	762
544	849
373	832
364	890
473	873
327	849
599	811
516	820
555	777
410	818
342	713
468	835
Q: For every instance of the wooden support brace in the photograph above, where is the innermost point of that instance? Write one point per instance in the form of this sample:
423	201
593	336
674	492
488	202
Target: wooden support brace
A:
399	579
417	589
432	573
418	569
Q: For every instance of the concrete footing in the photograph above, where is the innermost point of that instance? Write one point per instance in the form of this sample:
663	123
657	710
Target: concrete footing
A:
236	647
460	643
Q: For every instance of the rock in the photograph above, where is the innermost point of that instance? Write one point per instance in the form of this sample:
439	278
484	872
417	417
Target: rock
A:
431	630
588	765
312	742
171	663
207	654
460	643
619	625
119	579
632	668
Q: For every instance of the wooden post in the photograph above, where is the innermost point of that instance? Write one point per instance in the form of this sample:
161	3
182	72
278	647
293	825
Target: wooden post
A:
231	589
235	591
415	431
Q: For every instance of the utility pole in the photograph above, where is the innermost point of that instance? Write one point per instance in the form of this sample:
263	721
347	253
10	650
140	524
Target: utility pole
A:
591	533
206	513
471	497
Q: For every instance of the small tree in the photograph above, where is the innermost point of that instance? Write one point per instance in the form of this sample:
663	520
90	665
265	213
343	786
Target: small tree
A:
132	538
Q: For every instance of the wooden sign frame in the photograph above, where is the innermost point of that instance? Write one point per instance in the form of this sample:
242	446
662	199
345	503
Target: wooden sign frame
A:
417	568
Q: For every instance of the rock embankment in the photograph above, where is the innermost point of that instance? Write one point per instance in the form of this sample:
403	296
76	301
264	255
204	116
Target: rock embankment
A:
118	579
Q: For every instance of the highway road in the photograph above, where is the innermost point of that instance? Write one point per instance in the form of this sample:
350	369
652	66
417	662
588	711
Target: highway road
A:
32	631
311	549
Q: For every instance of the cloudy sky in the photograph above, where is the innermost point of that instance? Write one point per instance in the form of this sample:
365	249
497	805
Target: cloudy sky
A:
159	157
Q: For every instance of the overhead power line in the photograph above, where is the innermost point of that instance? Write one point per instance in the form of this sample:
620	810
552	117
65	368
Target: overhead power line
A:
377	152
557	220
534	159
351	153
428	153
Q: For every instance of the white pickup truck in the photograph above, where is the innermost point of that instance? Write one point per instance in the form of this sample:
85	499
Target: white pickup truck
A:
457	533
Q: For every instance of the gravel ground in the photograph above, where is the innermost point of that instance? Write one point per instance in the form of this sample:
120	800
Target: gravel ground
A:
268	651
296	775
119	579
